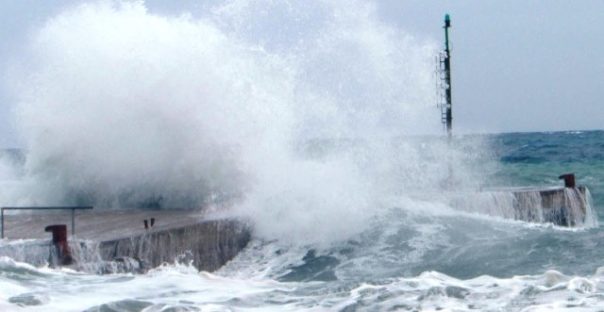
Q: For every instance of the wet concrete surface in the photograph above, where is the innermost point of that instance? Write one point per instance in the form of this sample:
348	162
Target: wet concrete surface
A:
96	224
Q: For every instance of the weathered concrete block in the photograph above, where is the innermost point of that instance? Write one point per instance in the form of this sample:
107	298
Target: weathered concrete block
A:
563	206
209	245
117	241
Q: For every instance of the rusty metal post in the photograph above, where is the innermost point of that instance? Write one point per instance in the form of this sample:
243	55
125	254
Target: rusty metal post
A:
569	179
59	240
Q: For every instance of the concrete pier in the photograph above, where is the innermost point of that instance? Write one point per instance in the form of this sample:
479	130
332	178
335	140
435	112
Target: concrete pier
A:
109	241
208	245
562	206
559	205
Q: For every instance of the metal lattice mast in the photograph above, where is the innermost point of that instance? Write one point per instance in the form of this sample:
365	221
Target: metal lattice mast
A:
448	118
443	81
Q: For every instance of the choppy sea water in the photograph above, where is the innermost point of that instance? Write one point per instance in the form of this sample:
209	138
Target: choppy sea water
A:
425	258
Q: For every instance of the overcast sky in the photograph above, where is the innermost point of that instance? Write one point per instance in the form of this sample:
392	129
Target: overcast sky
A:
517	65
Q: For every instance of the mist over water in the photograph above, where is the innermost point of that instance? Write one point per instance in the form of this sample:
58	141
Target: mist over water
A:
123	108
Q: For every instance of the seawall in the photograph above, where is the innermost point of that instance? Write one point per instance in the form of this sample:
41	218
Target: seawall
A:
562	206
207	245
119	241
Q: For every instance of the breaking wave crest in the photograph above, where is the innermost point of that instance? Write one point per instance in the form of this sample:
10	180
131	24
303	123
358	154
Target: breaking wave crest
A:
299	121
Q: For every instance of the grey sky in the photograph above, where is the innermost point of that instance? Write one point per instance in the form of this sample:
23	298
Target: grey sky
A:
517	65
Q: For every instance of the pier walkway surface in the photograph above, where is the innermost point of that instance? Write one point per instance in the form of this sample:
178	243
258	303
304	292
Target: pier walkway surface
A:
120	237
96	224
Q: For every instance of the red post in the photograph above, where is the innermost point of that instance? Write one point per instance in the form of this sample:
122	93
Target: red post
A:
59	240
569	179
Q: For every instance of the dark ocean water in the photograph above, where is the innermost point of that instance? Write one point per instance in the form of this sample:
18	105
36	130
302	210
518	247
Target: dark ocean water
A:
538	158
542	266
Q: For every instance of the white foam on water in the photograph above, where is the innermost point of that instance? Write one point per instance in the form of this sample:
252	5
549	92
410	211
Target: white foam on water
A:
180	286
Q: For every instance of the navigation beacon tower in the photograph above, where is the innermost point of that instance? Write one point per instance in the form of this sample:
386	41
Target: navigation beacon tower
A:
444	81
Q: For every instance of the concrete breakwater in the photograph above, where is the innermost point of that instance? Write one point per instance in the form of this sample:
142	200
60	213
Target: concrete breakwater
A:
207	245
563	206
109	241
126	240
